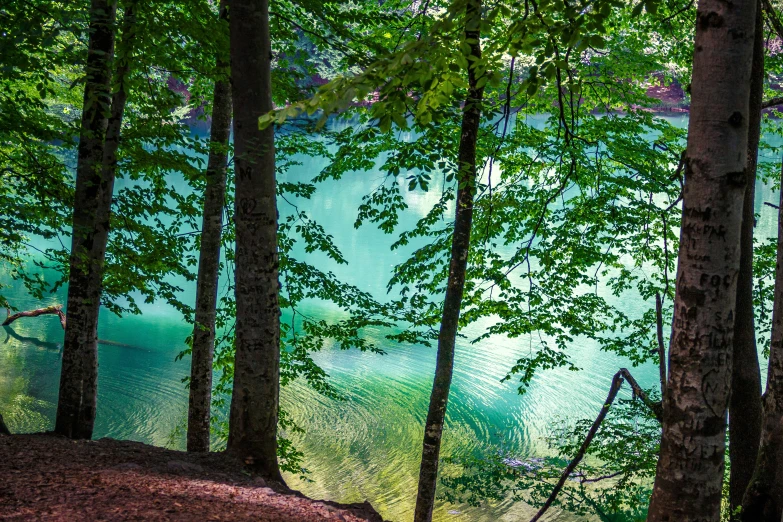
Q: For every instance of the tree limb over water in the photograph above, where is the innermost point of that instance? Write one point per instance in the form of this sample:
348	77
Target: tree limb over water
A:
617	381
49	310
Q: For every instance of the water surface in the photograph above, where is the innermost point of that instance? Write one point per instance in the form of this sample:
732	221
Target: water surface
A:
365	447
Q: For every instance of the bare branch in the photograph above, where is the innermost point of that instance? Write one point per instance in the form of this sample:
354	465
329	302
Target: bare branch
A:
772	102
617	382
661	347
49	310
655	407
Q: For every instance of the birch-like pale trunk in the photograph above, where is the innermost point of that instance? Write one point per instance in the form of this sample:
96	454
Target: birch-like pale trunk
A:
691	464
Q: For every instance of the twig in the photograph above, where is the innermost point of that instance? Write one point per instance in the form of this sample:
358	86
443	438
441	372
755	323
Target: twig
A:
586	480
661	347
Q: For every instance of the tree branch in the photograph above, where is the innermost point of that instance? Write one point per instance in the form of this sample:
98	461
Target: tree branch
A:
655	407
49	310
617	382
661	347
772	17
772	102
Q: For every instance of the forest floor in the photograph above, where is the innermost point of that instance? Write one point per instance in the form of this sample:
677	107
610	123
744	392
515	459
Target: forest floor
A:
45	477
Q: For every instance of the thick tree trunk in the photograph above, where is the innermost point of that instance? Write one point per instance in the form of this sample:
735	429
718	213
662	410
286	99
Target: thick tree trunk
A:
460	246
254	401
73	407
92	210
763	501
690	467
745	402
209	265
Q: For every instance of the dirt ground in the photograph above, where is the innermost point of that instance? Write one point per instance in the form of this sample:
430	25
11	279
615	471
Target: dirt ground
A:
45	477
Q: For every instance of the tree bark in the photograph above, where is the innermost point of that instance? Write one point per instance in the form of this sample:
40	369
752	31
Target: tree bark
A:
690	467
460	246
255	397
763	500
745	401
209	263
92	210
84	286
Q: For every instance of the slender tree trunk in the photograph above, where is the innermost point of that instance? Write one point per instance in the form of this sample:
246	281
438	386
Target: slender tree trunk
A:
73	407
209	264
254	401
763	501
690	467
745	402
460	246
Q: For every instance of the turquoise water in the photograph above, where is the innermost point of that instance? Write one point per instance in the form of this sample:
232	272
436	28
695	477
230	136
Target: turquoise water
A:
366	447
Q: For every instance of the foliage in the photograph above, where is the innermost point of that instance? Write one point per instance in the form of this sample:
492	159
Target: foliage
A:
613	482
577	206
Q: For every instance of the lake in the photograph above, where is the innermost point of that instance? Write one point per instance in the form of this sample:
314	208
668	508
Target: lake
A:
365	447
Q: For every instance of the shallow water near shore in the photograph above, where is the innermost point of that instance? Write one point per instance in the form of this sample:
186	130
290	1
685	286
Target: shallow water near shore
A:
365	447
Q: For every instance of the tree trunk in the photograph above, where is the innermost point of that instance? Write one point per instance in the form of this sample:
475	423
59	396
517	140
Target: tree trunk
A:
763	500
690	467
73	416
254	401
209	264
92	210
745	402
460	246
